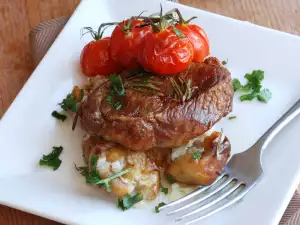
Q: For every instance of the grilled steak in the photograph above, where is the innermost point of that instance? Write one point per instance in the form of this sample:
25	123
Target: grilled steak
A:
180	107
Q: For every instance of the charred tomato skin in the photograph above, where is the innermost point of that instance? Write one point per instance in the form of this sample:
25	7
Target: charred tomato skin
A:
125	43
165	53
95	59
198	38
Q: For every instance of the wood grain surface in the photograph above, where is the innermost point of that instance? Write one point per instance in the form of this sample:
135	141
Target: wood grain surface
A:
18	17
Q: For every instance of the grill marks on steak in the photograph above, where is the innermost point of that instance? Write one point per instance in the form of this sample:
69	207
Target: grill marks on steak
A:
148	121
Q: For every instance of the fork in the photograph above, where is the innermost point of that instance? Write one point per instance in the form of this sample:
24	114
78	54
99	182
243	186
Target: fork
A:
240	175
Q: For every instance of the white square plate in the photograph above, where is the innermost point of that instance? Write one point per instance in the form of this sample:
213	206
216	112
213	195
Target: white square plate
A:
27	130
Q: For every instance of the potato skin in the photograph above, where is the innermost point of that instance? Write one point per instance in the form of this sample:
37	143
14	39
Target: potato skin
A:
144	176
205	170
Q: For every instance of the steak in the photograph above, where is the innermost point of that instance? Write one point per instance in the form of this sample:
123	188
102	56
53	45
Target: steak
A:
182	107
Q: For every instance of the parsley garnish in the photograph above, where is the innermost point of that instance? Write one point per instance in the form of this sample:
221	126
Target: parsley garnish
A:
232	117
158	206
170	179
116	90
59	116
93	177
52	160
196	155
83	170
128	201
164	190
224	62
236	84
265	95
69	103
253	87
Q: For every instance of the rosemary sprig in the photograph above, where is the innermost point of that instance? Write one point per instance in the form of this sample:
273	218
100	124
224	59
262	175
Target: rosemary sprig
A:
143	83
182	88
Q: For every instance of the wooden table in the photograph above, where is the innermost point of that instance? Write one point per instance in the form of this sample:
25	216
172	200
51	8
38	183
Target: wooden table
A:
18	17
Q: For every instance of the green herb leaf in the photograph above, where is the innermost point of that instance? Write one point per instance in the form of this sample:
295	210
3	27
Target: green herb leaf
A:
128	201
164	190
255	79
109	100
253	85
246	88
93	177
116	90
224	62
59	116
178	32
52	160
232	117
196	155
118	105
158	206
83	170
265	95
170	179
248	97
69	103
236	84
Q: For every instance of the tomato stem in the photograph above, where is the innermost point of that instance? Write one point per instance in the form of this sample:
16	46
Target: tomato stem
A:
180	17
97	35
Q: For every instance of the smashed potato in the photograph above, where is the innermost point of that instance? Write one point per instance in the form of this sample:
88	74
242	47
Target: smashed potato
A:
202	162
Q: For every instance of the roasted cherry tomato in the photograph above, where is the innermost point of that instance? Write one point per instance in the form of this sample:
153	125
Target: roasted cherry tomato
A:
125	42
165	53
95	57
198	38
196	35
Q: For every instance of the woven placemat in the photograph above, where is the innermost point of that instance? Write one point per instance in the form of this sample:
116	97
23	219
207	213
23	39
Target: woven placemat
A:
45	34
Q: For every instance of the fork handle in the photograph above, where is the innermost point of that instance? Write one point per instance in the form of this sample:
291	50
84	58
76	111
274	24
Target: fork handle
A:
278	126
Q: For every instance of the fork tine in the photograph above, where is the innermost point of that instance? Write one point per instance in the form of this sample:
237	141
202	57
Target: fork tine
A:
191	195
204	197
216	210
216	200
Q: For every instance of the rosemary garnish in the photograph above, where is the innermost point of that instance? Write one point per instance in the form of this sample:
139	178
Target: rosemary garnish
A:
144	83
182	88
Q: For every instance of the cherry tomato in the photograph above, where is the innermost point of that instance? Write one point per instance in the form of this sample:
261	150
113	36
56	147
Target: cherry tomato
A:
165	53
125	41
96	60
198	38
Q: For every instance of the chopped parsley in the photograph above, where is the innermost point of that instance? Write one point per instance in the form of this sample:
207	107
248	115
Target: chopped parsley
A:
224	62
265	95
59	116
52	159
170	179
128	201
116	90
196	155
232	117
83	170
236	84
158	206
69	103
252	87
248	97
93	176
164	190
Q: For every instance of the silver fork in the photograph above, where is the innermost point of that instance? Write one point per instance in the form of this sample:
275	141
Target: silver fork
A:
241	174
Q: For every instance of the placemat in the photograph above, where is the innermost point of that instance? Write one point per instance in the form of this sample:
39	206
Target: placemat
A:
44	35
